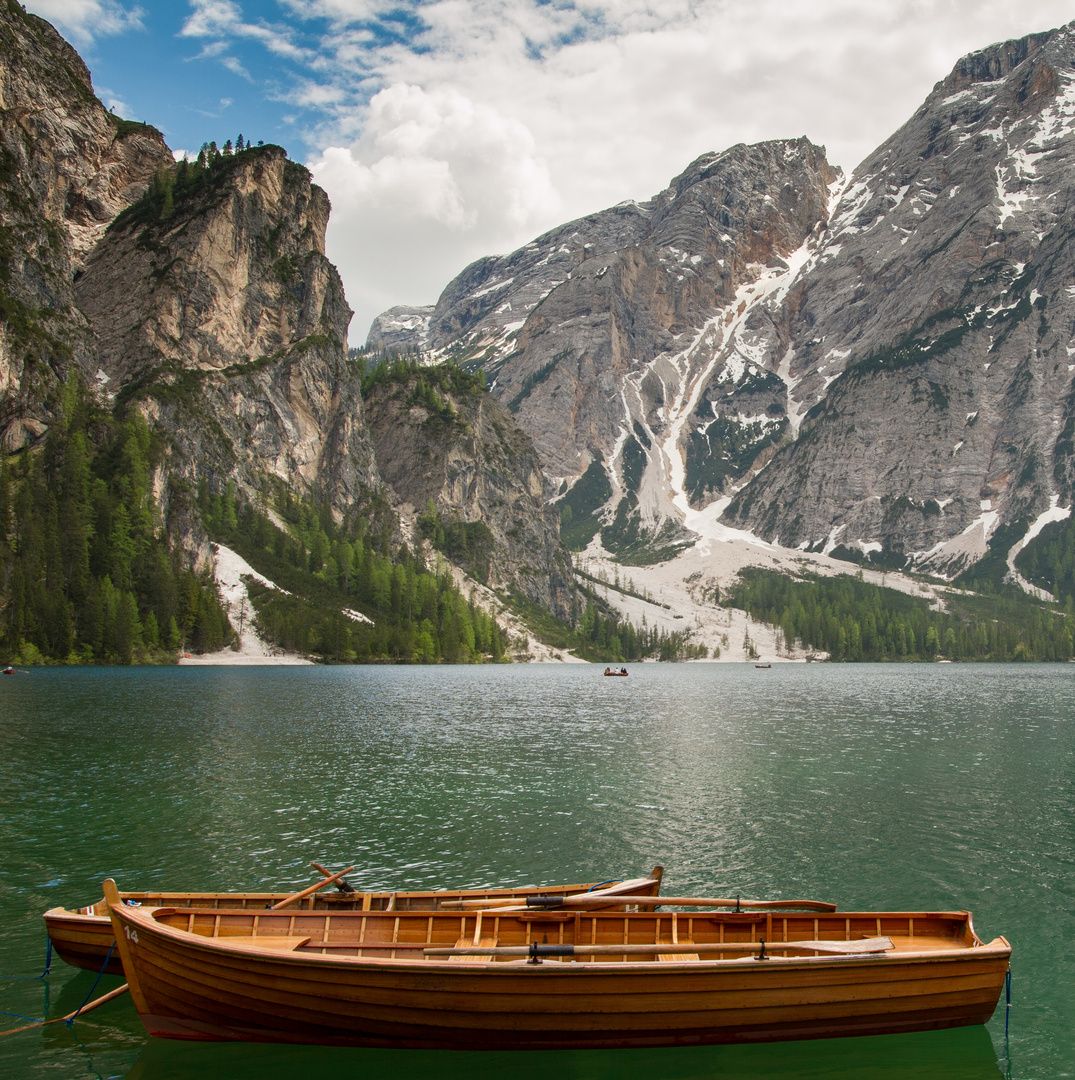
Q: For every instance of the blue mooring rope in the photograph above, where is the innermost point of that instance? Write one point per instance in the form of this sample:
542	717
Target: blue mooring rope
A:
1007	1007
30	978
19	1016
602	884
69	1019
74	1016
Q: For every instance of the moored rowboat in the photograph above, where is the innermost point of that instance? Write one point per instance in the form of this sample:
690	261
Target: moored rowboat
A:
82	937
544	979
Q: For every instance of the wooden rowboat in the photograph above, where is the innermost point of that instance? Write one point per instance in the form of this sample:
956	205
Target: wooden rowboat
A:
546	979
83	936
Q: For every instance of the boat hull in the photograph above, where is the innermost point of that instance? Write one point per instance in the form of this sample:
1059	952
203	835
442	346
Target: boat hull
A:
190	987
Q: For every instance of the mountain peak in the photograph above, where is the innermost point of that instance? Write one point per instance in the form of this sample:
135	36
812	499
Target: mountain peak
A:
867	381
997	61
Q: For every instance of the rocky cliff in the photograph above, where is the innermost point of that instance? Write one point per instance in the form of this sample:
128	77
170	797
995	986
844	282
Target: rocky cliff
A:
602	335
199	292
213	304
878	366
443	443
67	167
930	364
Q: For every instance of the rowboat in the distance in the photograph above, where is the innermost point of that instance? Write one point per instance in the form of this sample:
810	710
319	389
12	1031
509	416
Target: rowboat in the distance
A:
83	936
538	979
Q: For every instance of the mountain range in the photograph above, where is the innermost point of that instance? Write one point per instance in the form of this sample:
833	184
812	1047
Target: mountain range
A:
876	365
768	365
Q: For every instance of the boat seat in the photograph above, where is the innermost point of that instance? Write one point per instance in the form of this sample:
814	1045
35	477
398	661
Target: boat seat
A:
678	941
676	956
278	942
468	942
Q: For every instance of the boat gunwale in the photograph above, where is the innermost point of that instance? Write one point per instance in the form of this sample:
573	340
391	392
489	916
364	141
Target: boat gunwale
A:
239	945
643	886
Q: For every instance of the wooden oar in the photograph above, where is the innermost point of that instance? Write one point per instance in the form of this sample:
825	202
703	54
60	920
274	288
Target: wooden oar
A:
296	897
81	1011
343	886
597	900
620	892
535	951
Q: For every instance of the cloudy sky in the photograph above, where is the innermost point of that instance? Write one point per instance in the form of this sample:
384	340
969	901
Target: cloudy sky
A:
444	130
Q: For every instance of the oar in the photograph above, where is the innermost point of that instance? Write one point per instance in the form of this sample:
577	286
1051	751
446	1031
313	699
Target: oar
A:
620	892
296	897
535	951
81	1011
343	886
598	900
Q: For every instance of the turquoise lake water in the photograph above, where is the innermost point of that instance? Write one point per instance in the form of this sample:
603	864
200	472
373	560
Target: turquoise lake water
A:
878	787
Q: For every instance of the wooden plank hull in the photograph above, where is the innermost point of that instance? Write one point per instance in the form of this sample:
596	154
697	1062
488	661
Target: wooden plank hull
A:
83	937
188	986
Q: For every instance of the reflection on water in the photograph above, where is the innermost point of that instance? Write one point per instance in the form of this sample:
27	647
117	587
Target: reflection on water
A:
965	1054
907	786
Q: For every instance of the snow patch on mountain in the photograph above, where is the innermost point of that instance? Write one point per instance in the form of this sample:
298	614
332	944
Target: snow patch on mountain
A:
1054	513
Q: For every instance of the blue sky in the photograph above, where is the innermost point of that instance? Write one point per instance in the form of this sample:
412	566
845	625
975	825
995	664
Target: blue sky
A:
444	130
192	78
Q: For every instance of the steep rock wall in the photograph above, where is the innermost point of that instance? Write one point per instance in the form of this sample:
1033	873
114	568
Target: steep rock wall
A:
458	448
216	307
67	167
932	332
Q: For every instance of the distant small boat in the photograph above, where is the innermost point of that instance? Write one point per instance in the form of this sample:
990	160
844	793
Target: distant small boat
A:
763	665
527	980
609	671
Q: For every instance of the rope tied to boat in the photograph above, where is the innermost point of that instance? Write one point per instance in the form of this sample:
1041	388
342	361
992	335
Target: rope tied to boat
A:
111	950
85	1007
1007	1016
603	884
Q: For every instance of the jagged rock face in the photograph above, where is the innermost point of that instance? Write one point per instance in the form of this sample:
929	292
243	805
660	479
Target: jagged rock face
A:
890	371
227	321
202	294
474	463
607	303
66	169
931	329
400	328
603	333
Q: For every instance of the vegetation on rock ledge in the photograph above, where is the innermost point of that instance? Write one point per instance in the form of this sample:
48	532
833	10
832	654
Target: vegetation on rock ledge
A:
417	615
88	572
851	619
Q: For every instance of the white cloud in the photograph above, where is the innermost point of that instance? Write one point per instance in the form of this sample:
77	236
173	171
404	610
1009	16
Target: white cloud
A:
435	181
223	19
235	66
615	97
83	21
